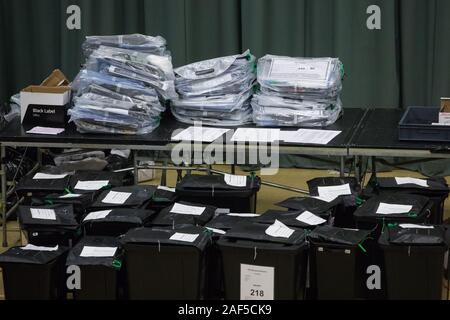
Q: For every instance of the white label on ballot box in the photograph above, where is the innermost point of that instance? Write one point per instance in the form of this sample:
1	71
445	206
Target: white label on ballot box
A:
47	176
279	230
43	214
414	226
290	69
330	193
216	230
70	195
39	248
257	282
310	219
115	197
387	208
91	185
97	215
243	215
185	237
89	251
179	208
235	181
166	189
407	180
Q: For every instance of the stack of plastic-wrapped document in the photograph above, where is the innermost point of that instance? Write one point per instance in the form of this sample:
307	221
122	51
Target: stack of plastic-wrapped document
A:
298	91
216	91
123	86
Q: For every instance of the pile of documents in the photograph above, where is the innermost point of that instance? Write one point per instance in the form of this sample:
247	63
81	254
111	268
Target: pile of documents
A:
137	42
122	88
298	91
216	91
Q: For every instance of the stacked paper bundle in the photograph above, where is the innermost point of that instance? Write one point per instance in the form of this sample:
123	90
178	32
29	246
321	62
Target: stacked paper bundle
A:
216	91
123	85
298	91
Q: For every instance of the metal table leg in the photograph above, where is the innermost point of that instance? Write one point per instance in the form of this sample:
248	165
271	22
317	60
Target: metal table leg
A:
342	167
374	168
135	167
164	175
4	192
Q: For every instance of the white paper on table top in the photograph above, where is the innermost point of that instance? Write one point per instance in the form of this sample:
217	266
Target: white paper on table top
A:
115	197
46	130
97	215
166	189
90	251
257	282
39	248
408	180
43	214
243	215
291	69
279	230
48	176
330	193
70	195
414	226
310	218
309	136
200	134
235	180
185	237
91	185
179	208
387	208
256	135
216	230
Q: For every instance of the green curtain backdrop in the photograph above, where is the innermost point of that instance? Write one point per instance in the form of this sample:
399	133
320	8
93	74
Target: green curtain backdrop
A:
405	63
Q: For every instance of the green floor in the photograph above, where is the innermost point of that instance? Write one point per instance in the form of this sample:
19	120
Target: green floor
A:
267	196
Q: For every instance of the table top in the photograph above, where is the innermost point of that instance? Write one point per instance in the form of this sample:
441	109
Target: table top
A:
16	133
379	130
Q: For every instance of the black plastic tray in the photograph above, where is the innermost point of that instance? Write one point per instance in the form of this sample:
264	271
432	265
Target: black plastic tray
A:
416	124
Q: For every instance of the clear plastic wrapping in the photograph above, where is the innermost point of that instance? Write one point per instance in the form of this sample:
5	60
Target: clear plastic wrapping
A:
300	77
123	85
216	91
138	42
294	114
215	118
151	70
298	91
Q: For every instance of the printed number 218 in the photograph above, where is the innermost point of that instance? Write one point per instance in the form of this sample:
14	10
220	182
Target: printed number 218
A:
256	293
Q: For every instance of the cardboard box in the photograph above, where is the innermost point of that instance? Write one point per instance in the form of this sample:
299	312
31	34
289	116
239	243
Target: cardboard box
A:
55	79
45	104
444	113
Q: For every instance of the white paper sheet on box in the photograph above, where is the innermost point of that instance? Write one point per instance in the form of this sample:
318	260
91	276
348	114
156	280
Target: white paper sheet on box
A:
89	251
388	208
279	230
93	185
97	215
235	180
408	180
43	214
179	208
114	197
185	237
47	176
